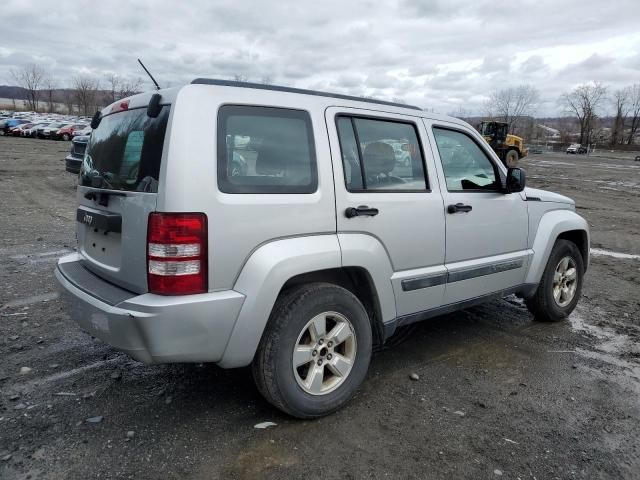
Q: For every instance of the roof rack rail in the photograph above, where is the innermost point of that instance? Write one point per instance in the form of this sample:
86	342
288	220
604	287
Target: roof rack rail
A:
277	88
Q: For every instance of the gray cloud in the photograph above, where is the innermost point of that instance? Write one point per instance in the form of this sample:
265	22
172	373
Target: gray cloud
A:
440	54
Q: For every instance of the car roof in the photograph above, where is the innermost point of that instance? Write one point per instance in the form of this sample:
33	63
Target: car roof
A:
277	88
169	95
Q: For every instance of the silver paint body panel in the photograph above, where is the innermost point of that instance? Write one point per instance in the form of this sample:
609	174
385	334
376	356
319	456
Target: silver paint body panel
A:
418	257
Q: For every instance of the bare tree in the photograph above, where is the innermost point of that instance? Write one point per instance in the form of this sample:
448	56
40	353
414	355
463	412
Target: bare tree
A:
239	77
68	97
634	110
512	104
85	91
584	102
130	87
461	113
266	80
49	87
113	82
30	77
620	100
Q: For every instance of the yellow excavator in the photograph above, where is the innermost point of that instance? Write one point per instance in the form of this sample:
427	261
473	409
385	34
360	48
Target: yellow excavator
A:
510	148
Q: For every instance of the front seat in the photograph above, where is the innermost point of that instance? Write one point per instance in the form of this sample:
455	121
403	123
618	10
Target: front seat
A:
379	161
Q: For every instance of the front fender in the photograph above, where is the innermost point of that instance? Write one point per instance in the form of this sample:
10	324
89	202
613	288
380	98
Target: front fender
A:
551	226
262	278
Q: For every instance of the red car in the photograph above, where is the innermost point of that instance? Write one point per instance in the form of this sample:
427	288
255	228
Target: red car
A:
17	130
65	133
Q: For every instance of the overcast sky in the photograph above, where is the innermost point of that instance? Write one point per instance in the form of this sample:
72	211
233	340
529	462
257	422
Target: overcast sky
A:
440	54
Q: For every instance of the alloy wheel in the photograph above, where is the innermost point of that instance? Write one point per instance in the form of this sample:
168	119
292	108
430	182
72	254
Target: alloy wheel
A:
324	353
565	281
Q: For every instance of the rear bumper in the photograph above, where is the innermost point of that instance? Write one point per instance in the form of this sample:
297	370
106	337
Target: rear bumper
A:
150	328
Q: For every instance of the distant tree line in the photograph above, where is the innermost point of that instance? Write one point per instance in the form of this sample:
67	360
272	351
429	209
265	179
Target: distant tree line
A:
515	105
83	95
512	105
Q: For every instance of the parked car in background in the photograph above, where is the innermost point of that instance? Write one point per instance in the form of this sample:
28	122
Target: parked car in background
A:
32	131
73	161
66	133
576	148
10	123
83	131
46	131
17	131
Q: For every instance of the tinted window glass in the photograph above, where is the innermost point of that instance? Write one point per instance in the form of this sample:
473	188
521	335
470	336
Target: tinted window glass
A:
388	157
125	151
465	165
265	150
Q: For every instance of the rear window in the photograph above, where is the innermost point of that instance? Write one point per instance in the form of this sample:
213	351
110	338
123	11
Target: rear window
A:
125	151
265	150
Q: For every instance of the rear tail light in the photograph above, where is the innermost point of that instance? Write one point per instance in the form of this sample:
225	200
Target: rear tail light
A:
120	106
177	253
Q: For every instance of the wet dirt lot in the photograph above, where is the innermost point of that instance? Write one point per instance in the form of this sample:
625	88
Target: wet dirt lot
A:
498	395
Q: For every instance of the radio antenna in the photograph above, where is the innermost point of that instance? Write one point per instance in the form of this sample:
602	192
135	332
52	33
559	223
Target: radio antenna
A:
149	73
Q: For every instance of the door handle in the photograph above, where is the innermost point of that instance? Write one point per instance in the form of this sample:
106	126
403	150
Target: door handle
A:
361	211
459	207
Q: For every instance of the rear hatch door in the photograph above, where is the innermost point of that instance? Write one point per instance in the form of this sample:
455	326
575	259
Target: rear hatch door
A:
118	188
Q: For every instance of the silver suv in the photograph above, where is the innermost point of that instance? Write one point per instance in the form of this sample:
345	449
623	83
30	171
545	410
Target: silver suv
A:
292	230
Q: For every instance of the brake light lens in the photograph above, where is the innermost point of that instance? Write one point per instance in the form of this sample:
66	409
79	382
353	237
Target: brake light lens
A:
177	253
120	106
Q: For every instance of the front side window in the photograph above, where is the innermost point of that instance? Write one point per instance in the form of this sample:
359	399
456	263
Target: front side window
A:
380	155
465	165
265	150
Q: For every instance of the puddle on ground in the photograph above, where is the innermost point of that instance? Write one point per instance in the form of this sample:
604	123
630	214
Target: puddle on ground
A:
609	253
610	347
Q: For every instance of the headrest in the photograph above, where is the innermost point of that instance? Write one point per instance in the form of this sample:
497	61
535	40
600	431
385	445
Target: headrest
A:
379	158
271	160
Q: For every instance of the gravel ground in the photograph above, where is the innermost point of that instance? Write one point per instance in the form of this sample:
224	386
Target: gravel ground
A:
497	395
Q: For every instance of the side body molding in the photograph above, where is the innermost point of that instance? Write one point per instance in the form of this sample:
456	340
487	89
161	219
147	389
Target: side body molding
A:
266	271
551	225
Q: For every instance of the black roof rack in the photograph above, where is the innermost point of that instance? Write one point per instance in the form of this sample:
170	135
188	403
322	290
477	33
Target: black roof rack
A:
277	88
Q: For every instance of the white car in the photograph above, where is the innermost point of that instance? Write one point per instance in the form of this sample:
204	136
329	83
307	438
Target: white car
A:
576	148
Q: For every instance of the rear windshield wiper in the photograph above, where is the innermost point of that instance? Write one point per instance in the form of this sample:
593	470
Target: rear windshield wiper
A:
102	196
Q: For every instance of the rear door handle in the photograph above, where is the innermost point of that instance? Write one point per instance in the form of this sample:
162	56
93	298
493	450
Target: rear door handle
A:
361	211
459	207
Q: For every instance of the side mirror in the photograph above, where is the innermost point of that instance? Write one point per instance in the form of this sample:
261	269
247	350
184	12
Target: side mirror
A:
516	179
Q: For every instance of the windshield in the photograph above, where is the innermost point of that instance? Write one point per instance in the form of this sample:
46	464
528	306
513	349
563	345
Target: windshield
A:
125	151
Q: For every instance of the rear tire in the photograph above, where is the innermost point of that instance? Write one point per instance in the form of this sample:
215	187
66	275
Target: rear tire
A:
561	284
66	137
309	377
511	159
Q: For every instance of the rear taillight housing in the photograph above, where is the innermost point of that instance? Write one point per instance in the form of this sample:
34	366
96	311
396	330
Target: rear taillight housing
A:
177	253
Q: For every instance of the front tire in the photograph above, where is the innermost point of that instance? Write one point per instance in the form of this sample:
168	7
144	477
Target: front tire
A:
561	284
315	351
511	159
66	137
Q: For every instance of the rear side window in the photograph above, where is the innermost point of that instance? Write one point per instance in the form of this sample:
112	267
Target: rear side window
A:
265	150
381	155
125	151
